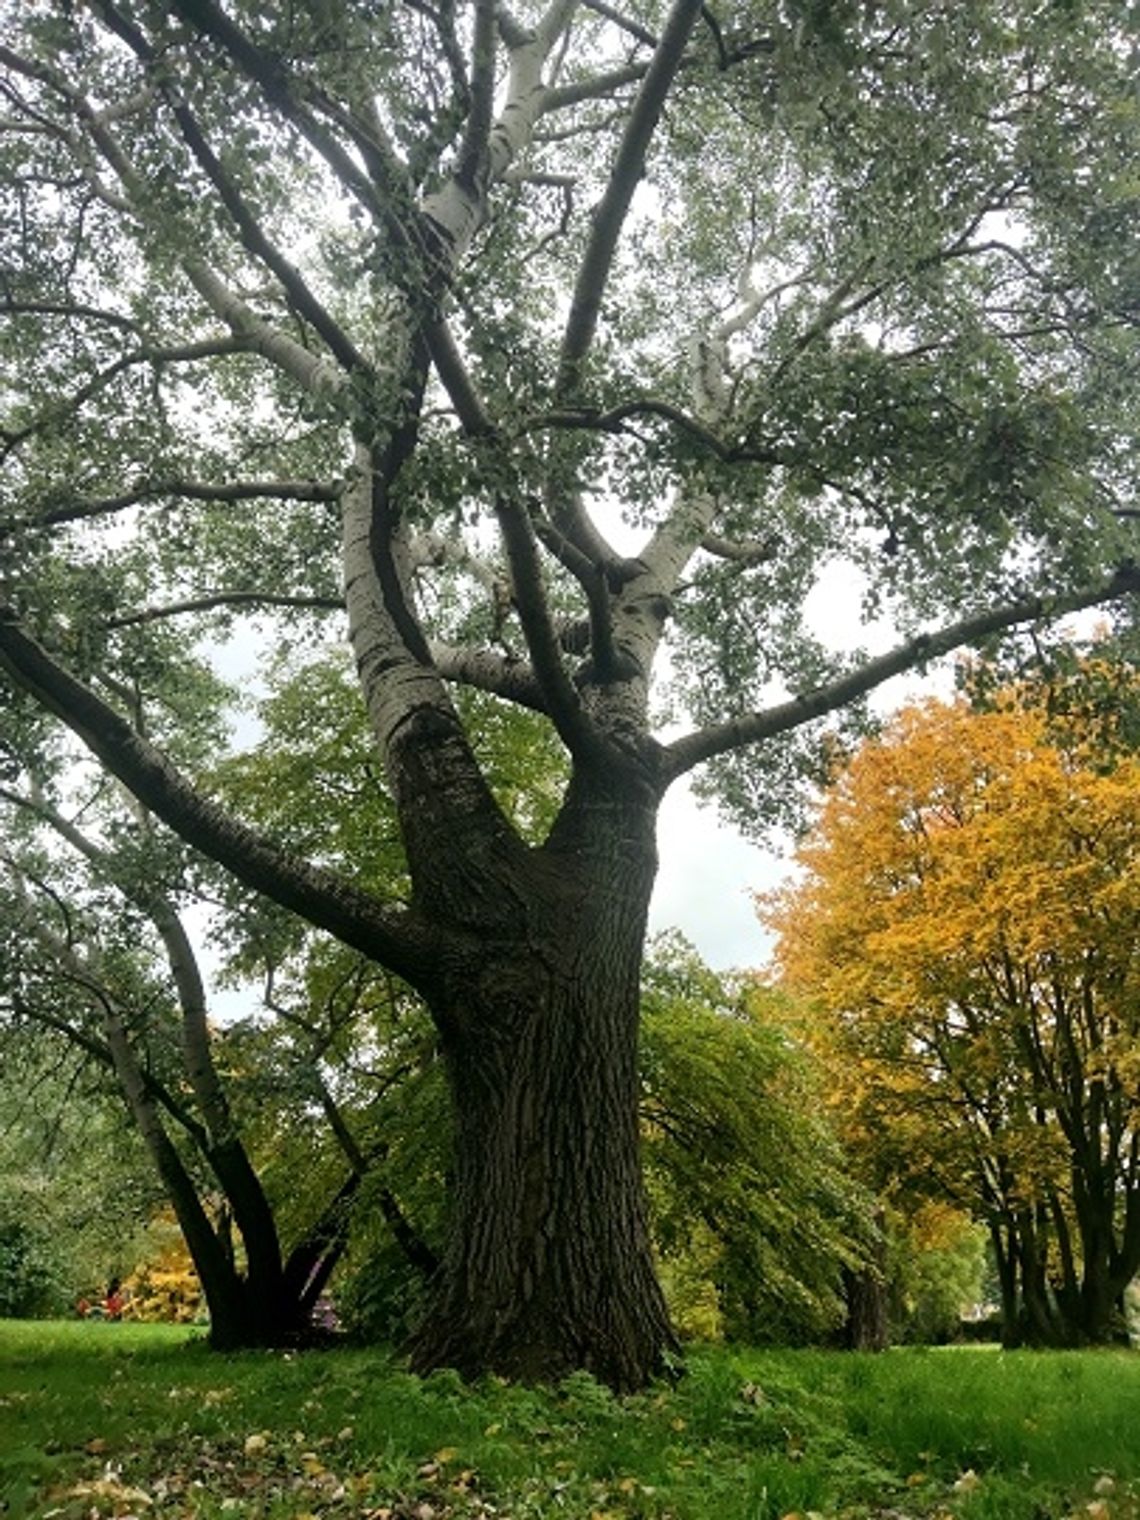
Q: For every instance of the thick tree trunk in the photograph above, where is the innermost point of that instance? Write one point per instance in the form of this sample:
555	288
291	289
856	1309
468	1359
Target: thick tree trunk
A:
865	1326
1043	1325
1097	1321
549	1267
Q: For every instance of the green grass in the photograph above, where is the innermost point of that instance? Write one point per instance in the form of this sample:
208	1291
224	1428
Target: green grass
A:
116	1420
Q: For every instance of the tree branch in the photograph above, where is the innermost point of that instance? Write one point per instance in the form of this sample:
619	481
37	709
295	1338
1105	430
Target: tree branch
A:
611	421
253	599
471	166
629	164
191	490
282	93
753	552
61	953
562	701
721	738
488	670
394	938
253	236
310	370
626	23
456	380
15	307
186	353
559	97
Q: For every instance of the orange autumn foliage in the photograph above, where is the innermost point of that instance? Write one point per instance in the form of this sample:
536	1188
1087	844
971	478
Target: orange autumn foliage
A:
966	930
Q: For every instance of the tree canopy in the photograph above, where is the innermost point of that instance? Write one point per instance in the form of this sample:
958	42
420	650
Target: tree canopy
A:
967	925
525	342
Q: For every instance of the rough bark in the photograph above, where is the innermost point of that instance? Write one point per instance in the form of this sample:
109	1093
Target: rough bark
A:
865	1291
549	1267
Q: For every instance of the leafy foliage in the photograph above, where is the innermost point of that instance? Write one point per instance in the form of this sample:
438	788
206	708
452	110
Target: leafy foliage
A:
748	1186
967	926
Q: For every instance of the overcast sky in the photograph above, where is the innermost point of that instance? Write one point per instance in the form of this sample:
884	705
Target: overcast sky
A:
705	885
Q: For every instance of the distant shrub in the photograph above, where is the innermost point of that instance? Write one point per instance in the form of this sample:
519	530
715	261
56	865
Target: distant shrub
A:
30	1286
164	1285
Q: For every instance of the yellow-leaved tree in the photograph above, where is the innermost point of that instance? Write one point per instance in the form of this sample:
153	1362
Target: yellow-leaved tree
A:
965	931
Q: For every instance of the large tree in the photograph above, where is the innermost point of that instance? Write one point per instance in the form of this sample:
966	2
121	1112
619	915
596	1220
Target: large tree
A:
967	924
521	339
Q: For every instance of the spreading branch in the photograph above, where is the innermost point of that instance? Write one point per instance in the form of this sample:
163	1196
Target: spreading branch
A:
626	23
251	332
13	306
184	353
629	164
251	600
252	234
394	937
721	738
614	418
189	490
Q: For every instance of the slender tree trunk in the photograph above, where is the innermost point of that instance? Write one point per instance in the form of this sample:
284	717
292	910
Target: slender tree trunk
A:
1005	1259
222	1287
1068	1293
549	1267
1099	1291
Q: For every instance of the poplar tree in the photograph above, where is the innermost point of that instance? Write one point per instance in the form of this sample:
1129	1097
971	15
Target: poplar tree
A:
518	344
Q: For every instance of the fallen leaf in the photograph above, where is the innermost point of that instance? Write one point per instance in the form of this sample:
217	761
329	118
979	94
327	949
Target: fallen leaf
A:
110	1488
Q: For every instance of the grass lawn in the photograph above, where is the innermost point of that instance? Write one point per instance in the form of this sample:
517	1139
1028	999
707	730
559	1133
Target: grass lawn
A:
100	1419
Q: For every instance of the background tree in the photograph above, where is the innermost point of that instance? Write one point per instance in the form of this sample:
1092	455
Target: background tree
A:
754	1212
75	1189
96	954
967	924
524	336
